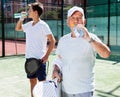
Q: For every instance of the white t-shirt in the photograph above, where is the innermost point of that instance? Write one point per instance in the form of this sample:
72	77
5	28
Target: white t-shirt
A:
78	59
36	39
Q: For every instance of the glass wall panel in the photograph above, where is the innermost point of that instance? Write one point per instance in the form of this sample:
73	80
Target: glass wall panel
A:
118	23
97	11
99	27
97	22
0	32
96	2
115	25
96	15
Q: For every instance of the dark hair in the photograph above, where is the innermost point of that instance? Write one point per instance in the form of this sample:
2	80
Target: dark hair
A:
37	6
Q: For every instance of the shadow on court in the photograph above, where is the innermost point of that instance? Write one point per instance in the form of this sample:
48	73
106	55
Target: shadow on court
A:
14	83
109	93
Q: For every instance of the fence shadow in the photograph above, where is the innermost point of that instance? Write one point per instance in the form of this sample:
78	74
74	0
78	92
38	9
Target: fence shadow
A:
114	58
108	94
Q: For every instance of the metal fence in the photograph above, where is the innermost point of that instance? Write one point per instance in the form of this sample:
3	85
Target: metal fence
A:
13	42
105	23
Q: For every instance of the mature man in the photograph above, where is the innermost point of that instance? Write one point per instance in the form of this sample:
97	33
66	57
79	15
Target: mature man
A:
76	56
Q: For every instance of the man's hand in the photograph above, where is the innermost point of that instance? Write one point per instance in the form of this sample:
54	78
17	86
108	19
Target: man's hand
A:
23	16
57	74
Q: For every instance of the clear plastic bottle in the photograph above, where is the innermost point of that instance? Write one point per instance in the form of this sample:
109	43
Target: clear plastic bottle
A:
19	15
79	32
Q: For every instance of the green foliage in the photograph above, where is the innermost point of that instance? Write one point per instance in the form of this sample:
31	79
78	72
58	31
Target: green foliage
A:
22	9
50	15
56	13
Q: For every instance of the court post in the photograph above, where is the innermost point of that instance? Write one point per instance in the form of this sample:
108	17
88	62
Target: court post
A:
62	17
3	30
108	41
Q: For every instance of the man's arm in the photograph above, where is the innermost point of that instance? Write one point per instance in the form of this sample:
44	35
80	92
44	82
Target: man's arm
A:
50	47
20	21
19	25
101	48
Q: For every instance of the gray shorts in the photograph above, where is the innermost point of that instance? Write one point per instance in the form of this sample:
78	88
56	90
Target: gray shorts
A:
86	94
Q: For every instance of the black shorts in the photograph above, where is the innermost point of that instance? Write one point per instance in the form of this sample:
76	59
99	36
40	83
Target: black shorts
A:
40	74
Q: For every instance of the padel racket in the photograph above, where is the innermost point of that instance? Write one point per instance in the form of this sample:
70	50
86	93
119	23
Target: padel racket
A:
32	65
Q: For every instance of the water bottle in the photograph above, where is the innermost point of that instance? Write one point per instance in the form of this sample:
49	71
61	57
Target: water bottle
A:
79	32
19	15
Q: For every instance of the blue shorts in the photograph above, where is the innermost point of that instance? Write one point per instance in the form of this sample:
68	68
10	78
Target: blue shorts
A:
40	74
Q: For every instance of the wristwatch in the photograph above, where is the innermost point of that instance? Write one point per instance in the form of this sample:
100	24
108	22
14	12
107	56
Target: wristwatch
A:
91	40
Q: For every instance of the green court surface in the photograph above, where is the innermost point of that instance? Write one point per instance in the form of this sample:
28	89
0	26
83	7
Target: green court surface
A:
13	82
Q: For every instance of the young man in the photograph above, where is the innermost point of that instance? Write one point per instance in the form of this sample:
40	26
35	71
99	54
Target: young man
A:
76	57
37	32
